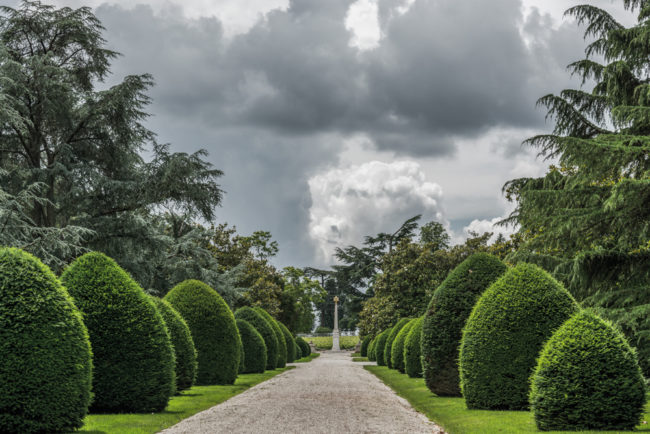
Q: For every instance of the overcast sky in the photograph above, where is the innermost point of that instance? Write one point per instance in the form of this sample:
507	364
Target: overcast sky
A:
335	119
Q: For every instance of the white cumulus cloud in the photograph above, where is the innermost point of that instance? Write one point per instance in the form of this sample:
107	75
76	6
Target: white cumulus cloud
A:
350	203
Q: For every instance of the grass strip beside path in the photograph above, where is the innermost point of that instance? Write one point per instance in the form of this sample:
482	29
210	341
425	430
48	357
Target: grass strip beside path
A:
308	358
359	359
180	407
452	415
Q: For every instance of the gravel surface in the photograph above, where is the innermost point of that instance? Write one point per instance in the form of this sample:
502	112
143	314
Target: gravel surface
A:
330	394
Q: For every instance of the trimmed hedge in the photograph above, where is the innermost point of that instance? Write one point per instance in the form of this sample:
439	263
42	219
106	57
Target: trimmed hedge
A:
380	346
254	354
412	346
213	329
133	353
282	343
397	350
364	346
371	349
305	349
587	378
505	333
448	311
391	338
291	344
46	362
184	349
265	329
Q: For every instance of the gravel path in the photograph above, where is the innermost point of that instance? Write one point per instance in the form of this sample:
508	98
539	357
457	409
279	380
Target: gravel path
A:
330	394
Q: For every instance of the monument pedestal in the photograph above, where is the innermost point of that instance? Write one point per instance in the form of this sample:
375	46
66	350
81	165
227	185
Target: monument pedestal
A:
336	346
335	333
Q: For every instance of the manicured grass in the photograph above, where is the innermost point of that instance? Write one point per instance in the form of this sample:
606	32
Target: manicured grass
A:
308	358
355	355
325	342
180	407
359	359
454	417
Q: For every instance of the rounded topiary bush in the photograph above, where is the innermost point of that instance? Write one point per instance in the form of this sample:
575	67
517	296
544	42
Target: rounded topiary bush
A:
587	378
184	349
45	357
132	350
364	346
260	323
371	349
254	354
504	334
291	344
391	338
304	347
380	346
412	359
448	310
213	329
397	350
282	343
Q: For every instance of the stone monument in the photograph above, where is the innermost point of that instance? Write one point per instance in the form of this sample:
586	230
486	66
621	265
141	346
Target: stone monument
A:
335	333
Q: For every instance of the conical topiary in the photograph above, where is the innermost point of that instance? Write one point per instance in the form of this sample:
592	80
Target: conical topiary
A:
184	349
133	353
282	343
260	323
291	345
505	333
45	357
445	318
389	341
305	349
364	346
254	355
380	346
213	329
587	378
412	359
397	350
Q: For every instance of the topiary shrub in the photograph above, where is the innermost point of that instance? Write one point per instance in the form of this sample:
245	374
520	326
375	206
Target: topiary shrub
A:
184	349
371	349
260	323
389	341
133	353
213	329
412	359
443	324
291	345
397	350
504	334
305	349
587	378
282	344
380	346
45	362
364	346
254	348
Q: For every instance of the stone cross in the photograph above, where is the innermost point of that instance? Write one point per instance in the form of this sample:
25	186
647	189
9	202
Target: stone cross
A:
335	333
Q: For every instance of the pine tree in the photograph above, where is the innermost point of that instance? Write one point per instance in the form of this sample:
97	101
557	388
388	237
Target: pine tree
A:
588	219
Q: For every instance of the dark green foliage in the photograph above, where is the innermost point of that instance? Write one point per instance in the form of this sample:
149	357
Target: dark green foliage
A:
372	353
587	378
364	346
132	350
45	362
260	323
282	343
254	354
291	344
213	329
504	334
397	350
445	318
305	349
380	346
184	349
391	338
412	350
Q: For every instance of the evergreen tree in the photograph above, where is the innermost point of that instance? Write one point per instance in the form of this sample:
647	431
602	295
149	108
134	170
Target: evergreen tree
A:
588	219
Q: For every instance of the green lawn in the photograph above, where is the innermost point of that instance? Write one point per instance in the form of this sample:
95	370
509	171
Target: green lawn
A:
308	358
451	413
180	407
325	342
359	359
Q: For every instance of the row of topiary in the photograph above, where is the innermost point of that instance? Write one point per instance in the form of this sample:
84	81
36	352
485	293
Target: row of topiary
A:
94	339
513	339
